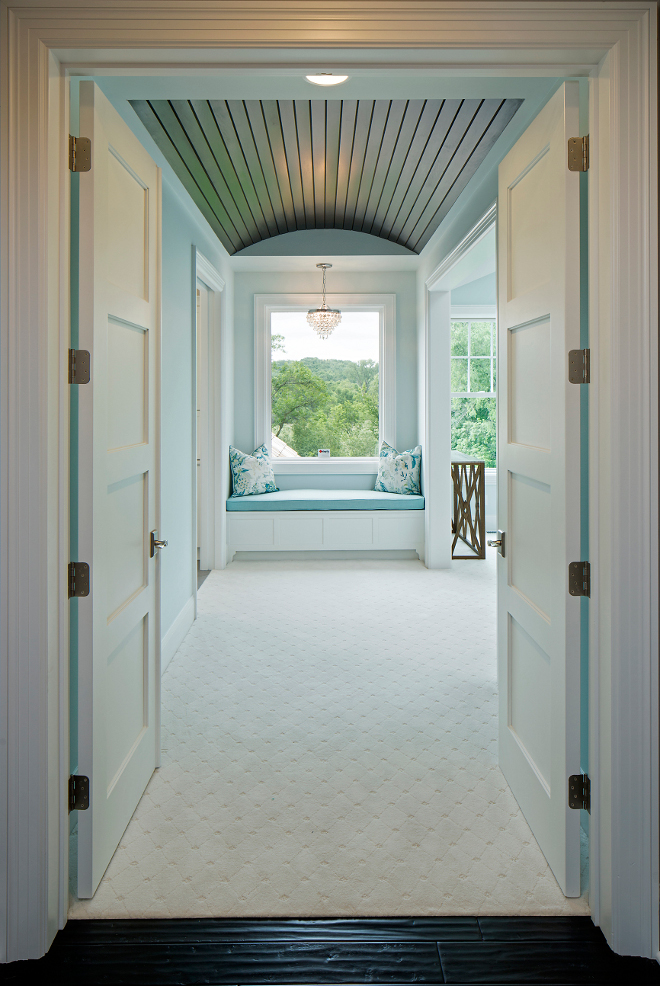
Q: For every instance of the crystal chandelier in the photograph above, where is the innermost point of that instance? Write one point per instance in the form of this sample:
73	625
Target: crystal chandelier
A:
323	320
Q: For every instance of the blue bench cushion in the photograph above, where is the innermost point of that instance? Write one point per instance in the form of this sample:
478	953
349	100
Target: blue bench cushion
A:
326	500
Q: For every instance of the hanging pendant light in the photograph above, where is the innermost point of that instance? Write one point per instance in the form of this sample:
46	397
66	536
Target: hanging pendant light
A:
323	320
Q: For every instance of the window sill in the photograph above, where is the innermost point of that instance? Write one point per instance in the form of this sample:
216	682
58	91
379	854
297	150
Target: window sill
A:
327	467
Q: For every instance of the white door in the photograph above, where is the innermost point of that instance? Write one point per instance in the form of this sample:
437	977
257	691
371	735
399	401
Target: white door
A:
539	480
119	632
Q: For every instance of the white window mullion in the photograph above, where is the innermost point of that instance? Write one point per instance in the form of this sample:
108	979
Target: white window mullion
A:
469	345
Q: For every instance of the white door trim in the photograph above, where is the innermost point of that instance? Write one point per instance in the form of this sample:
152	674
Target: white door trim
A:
440	279
214	477
436	437
548	38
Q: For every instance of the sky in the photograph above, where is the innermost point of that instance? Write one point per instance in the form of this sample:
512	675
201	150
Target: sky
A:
356	337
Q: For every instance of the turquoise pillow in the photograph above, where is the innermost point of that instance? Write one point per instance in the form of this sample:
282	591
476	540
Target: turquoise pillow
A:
251	474
398	472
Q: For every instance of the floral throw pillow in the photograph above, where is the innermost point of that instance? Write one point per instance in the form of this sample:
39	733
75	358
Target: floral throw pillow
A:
251	473
398	472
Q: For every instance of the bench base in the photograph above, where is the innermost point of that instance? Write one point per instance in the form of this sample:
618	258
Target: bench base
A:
326	530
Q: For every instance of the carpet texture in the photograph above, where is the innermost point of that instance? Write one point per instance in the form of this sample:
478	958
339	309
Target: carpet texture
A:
330	749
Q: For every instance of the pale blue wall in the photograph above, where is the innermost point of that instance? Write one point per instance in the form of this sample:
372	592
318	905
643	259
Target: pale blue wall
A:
314	481
331	242
483	291
182	232
401	283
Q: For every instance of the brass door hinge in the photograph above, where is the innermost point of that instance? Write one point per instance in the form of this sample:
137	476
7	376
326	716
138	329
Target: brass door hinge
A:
79	364
579	366
78	579
578	153
78	792
579	578
579	792
80	153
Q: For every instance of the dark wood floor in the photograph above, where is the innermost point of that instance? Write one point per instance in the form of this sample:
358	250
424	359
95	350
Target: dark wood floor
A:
377	950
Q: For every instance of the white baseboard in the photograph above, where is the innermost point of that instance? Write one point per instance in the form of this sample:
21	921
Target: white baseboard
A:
174	636
402	554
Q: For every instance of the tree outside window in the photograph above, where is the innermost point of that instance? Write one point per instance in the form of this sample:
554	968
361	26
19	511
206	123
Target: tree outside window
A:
473	386
325	393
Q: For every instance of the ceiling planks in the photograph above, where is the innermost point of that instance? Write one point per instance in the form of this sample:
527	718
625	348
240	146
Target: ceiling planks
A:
259	168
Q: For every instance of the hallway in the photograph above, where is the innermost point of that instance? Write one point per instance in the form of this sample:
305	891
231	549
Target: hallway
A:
330	749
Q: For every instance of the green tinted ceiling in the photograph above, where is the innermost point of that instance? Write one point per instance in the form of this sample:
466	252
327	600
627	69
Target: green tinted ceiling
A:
391	168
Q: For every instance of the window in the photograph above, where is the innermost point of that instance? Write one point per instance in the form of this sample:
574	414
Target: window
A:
337	393
473	386
325	392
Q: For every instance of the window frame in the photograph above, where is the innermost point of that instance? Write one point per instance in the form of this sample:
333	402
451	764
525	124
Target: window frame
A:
475	313
264	306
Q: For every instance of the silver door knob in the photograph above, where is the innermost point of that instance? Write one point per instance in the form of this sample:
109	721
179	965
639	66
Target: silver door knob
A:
156	543
497	542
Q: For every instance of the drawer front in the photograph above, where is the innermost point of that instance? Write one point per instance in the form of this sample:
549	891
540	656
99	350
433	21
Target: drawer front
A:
348	532
299	532
253	530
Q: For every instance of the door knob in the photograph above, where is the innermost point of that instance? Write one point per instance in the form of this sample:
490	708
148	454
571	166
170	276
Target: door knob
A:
155	543
497	542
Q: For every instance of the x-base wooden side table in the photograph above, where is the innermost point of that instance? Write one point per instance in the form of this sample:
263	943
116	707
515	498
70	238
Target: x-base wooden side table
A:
469	519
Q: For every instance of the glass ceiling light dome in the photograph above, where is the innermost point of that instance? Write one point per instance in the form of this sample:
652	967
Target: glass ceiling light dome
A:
323	320
326	79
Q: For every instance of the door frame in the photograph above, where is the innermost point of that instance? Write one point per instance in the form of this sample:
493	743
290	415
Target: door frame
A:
214	478
437	389
615	42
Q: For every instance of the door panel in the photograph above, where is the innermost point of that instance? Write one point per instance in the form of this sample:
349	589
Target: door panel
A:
119	632
538	479
127	381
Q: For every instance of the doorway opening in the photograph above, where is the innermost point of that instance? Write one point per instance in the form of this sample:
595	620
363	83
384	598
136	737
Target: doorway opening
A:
261	606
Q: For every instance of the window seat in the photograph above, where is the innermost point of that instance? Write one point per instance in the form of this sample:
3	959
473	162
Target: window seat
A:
325	520
324	500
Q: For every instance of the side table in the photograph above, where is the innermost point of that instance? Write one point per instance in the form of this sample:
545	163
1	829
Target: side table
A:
469	519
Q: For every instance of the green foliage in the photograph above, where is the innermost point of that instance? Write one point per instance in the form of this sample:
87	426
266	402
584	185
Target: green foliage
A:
326	404
473	427
296	394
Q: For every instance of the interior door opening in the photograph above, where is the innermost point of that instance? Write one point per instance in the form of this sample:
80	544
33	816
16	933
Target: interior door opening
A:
329	634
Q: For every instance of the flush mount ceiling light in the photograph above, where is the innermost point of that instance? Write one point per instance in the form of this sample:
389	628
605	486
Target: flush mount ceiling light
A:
323	320
326	79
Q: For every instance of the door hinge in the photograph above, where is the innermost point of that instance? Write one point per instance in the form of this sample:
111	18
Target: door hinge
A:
78	579
79	366
579	578
579	366
578	153
80	153
78	792
579	792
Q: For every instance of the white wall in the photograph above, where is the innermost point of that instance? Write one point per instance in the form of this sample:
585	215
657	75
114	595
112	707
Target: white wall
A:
401	283
183	231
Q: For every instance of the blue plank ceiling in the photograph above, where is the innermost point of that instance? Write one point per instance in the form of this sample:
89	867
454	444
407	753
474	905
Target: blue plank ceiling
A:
392	168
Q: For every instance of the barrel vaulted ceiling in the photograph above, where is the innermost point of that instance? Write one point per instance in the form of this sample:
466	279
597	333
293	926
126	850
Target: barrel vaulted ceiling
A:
259	168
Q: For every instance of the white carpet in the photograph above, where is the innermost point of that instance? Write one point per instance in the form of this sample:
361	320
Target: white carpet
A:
329	749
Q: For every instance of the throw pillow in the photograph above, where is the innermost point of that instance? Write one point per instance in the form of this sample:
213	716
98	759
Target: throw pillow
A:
398	472
251	474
